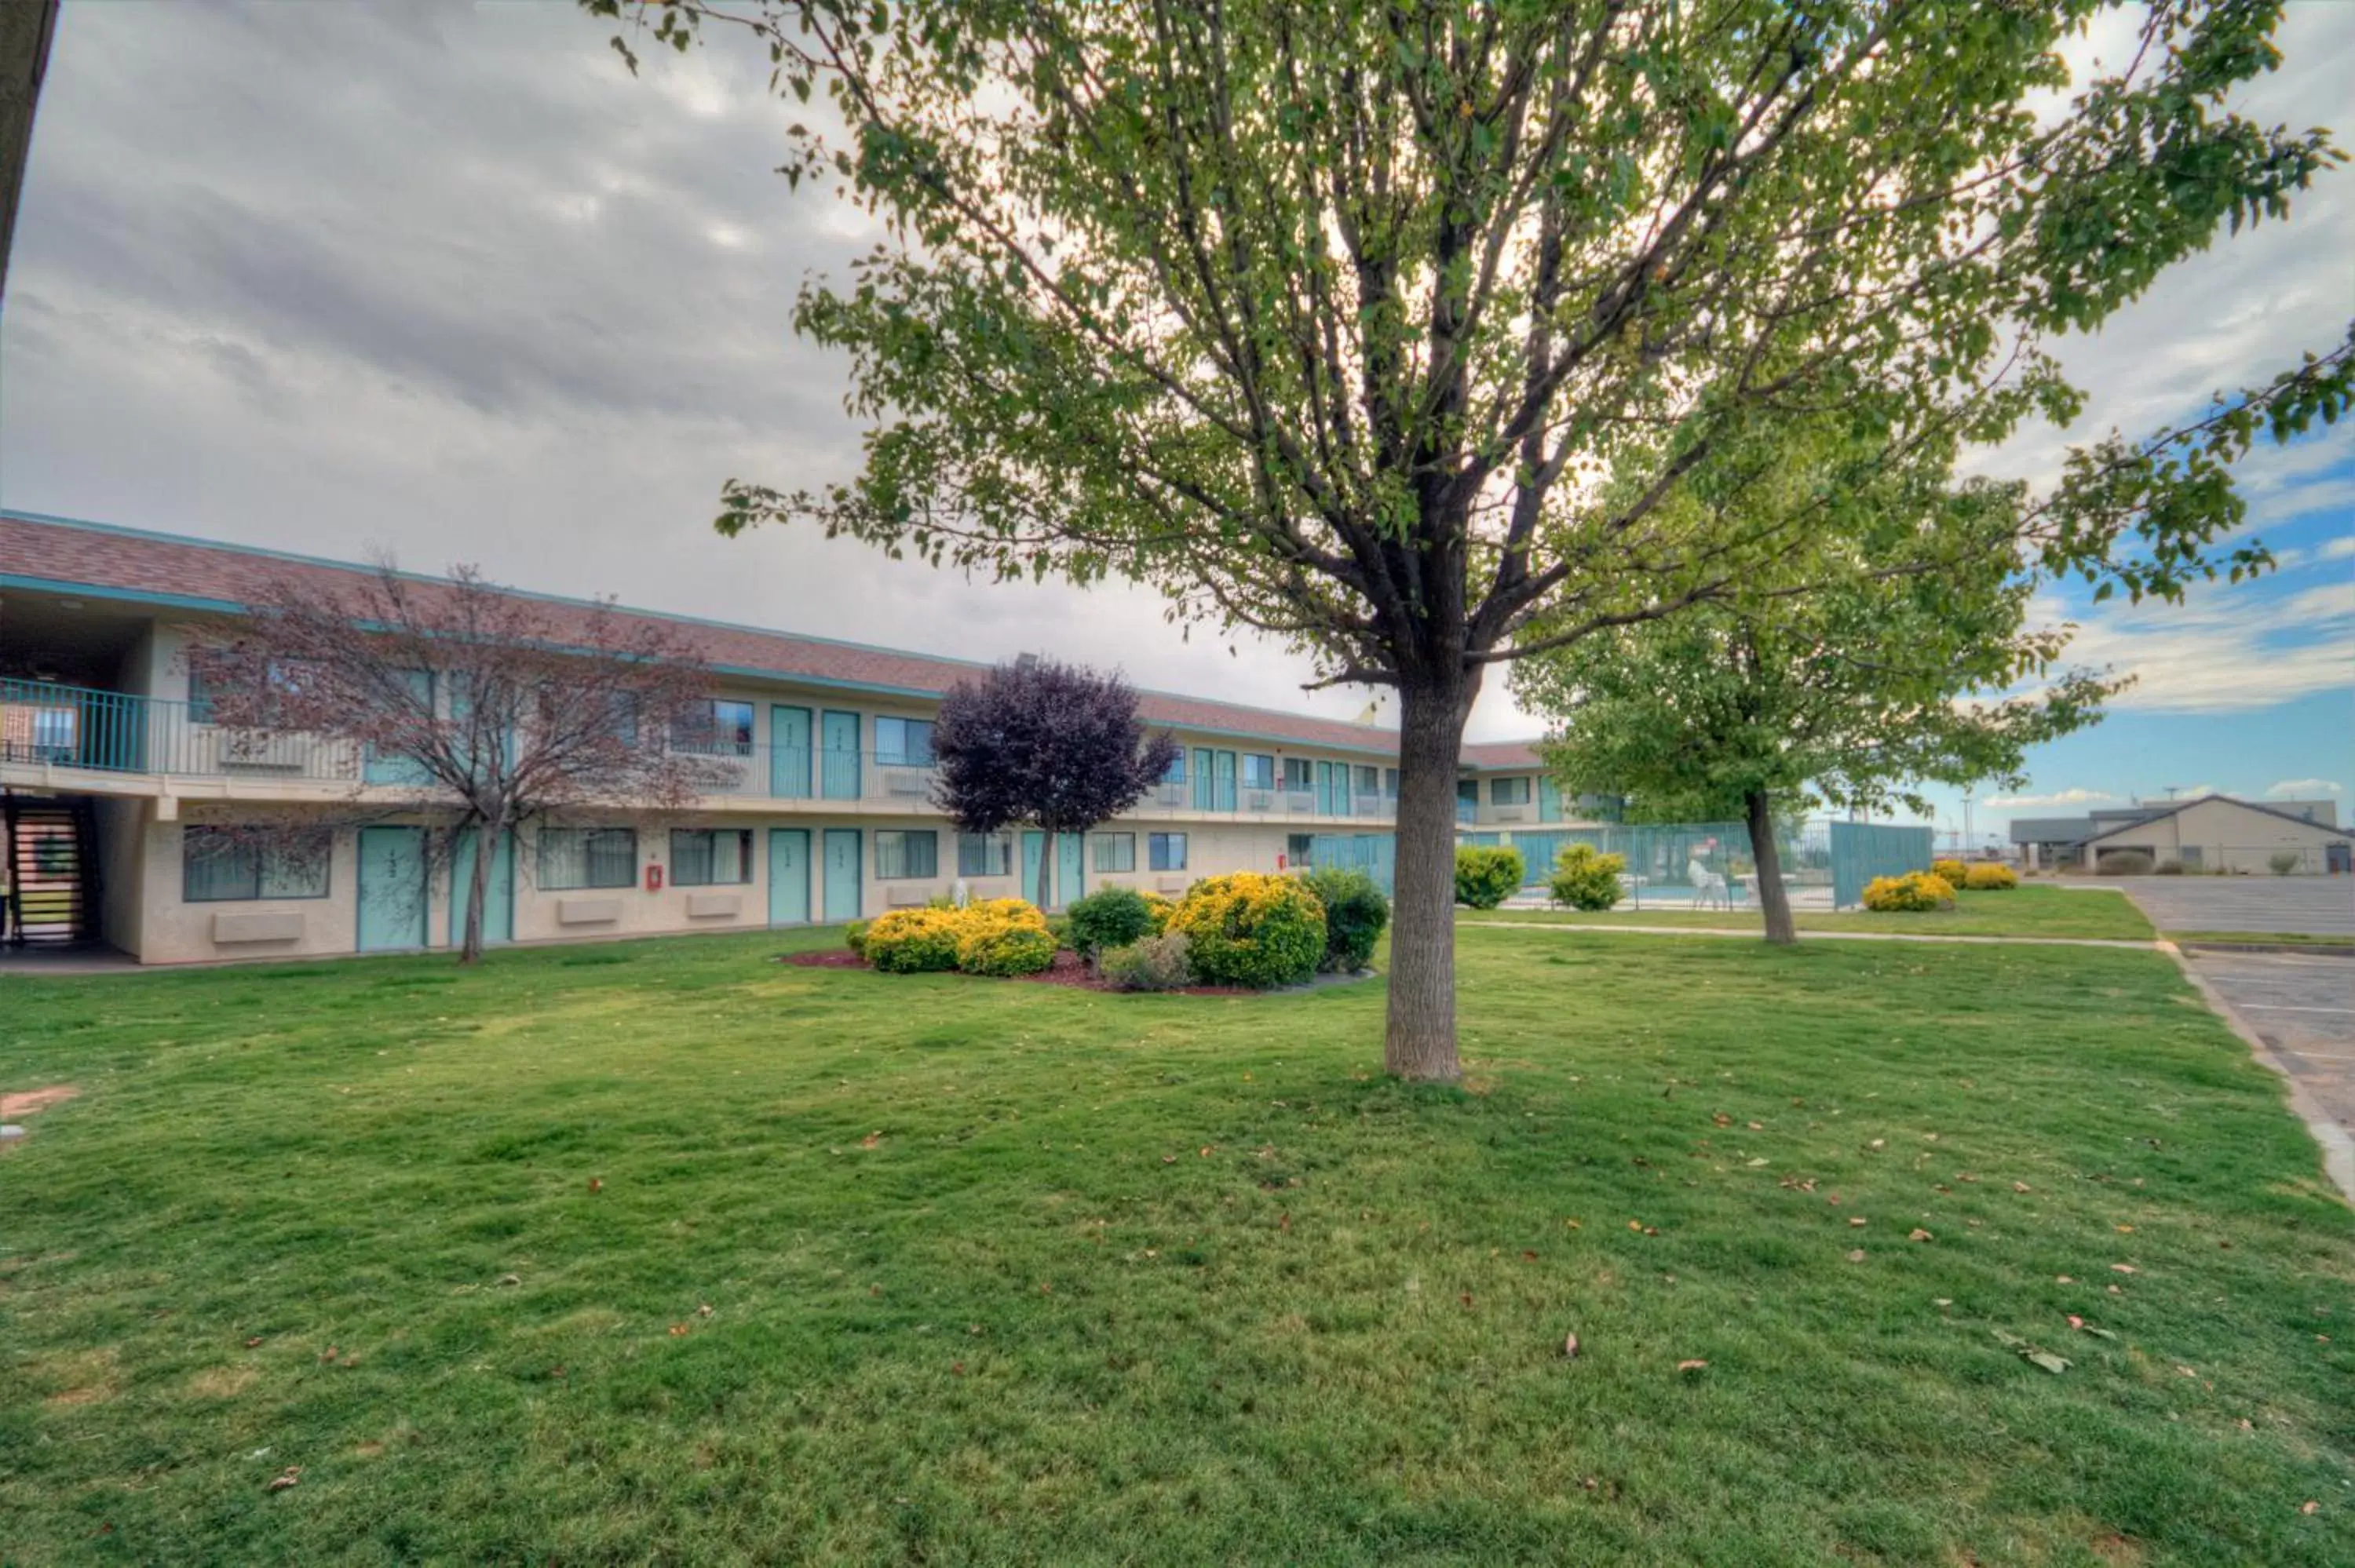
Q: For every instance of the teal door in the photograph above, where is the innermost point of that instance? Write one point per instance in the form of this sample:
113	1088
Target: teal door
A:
1226	801
1069	868
838	757
789	882
1033	846
842	880
1205	784
498	902
1548	800
1467	800
394	769
788	757
392	889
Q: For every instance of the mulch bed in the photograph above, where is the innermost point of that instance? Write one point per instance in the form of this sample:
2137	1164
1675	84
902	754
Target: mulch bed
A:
1067	971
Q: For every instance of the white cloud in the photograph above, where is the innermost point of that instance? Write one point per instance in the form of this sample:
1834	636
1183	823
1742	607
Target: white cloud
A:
2223	650
2302	788
2040	802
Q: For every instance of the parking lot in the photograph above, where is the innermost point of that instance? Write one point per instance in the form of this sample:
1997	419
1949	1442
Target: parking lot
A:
2304	1009
2317	906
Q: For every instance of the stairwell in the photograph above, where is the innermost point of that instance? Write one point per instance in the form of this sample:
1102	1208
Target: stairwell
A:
52	897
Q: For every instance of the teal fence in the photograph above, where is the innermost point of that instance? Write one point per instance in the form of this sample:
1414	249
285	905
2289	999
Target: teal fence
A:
1862	851
1376	854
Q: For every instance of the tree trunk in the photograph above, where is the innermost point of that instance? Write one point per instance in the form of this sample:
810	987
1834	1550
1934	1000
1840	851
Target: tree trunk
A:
1046	869
470	951
1772	897
1421	1043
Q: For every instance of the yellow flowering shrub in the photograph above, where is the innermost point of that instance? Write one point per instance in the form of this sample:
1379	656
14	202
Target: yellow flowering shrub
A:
914	941
1990	877
1914	891
1953	871
991	936
1252	929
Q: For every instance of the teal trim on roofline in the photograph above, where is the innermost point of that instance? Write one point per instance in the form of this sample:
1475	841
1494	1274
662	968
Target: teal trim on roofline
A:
231	607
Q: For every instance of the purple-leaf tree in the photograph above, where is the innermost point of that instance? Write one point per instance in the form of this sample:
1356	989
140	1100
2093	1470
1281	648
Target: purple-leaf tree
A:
1044	744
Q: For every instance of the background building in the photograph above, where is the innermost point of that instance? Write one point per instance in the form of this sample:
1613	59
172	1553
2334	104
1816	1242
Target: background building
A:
2213	832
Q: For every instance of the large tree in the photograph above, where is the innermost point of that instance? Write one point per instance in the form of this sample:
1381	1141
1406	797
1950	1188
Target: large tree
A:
1330	319
1889	671
471	707
1047	744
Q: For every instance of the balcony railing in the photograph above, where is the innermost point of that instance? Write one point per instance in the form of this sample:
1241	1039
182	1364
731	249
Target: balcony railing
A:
115	732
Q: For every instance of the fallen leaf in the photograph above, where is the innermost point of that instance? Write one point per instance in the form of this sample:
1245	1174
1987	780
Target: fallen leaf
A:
2308	1506
704	1310
2075	1322
1206	1151
1758	1162
678	1330
1856	1256
1942	1301
253	1342
1918	1234
2054	1364
1757	1126
1691	1366
293	1473
2115	1291
510	1280
2063	1279
1877	1143
332	1353
1721	1119
1635	1225
1467	1298
1856	1220
873	1140
2246	1424
2021	1187
1569	1345
1168	1160
596	1183
2124	1268
2126	1230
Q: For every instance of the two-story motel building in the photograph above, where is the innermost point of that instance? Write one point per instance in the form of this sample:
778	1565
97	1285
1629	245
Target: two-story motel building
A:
116	787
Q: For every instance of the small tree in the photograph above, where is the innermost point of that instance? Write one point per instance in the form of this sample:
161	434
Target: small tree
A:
1854	692
478	708
1046	744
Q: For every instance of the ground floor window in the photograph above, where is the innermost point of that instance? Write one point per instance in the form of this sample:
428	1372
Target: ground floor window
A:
217	864
587	857
1167	850
1116	852
984	855
903	856
711	857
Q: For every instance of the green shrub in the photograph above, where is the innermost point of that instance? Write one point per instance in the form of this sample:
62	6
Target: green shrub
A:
854	936
1061	929
1111	919
1913	892
2283	864
1487	878
1989	877
2168	868
1006	949
1156	963
1356	915
1586	878
914	941
1252	929
2122	862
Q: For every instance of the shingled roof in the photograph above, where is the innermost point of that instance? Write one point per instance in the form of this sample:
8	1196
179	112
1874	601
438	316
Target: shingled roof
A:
200	575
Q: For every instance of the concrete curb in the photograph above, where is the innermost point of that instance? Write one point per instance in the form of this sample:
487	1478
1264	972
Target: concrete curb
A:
2338	1148
2291	949
1754	935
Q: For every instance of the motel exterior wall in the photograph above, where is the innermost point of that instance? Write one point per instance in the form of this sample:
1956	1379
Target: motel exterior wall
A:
141	818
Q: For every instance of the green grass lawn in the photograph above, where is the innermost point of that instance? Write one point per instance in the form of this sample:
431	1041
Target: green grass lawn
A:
1000	1273
2026	911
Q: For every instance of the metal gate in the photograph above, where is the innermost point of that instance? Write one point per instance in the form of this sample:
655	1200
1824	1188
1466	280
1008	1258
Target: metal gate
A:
1862	851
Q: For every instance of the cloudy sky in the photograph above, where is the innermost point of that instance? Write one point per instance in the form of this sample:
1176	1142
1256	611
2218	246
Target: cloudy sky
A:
443	279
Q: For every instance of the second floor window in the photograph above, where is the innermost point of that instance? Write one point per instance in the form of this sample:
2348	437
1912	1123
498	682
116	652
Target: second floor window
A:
1508	791
1299	776
711	857
903	741
725	730
573	858
1259	772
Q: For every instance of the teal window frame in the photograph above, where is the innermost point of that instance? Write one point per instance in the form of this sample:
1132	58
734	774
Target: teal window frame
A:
224	873
907	854
698	858
903	741
1259	770
1299	776
984	855
1166	851
606	858
1114	852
